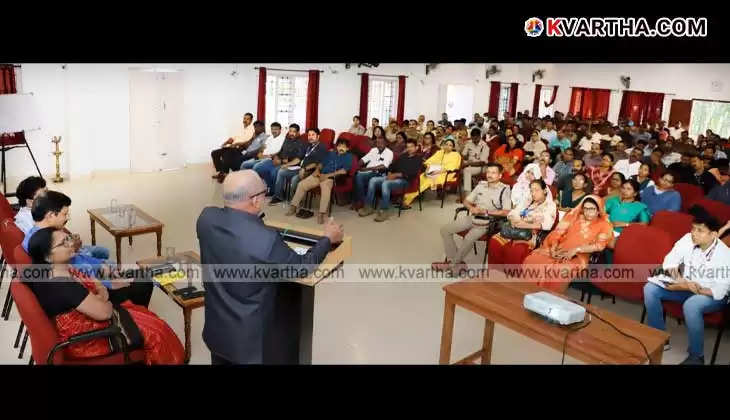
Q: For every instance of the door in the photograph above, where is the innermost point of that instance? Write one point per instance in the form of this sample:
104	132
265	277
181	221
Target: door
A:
680	110
144	121
155	120
460	102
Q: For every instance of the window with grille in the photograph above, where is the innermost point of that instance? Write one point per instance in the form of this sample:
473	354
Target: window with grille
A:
286	99
382	100
503	100
546	94
709	115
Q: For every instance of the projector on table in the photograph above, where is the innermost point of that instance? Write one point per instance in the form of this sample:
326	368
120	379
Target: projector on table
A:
554	308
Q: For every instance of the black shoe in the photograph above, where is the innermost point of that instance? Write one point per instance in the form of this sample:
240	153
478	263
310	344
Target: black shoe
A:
275	201
694	360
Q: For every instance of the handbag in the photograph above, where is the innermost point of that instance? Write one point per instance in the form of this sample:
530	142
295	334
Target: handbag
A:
507	231
122	319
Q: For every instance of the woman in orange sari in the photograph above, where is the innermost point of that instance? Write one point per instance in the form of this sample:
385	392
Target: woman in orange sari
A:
510	156
78	304
566	250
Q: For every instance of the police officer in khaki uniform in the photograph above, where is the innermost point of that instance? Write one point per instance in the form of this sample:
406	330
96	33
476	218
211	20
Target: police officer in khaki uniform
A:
475	157
489	198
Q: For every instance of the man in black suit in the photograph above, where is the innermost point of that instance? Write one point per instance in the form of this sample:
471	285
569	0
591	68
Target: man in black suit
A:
240	308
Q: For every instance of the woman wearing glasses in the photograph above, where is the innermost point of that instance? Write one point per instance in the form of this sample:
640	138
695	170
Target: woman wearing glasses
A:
538	214
78	304
566	250
437	166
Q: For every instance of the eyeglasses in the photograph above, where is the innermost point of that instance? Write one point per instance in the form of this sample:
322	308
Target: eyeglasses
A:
259	193
67	241
590	208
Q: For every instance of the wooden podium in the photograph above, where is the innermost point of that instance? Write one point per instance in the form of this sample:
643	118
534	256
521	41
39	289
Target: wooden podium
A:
294	305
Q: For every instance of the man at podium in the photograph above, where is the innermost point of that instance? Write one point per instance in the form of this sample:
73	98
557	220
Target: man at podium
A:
239	253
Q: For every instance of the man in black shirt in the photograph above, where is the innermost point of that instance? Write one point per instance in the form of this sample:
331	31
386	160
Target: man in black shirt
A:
401	173
701	177
683	170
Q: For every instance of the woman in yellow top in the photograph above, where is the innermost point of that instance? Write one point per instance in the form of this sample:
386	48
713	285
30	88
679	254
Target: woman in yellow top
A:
437	165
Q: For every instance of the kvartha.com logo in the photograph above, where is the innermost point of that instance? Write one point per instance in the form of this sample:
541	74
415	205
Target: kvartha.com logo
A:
615	27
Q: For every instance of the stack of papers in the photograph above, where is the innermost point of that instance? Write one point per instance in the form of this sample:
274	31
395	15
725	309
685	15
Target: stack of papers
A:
171	277
661	280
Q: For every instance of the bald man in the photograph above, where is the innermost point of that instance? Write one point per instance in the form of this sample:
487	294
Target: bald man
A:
240	308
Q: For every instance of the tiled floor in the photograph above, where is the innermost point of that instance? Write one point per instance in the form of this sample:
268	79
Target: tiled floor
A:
356	322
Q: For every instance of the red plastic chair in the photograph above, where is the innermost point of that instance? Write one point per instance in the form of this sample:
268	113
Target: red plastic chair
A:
10	237
718	319
45	341
631	252
689	193
674	223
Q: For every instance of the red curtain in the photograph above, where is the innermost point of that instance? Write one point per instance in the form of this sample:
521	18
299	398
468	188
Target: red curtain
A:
7	79
642	107
401	98
512	104
494	99
536	101
552	98
589	103
313	99
261	108
364	84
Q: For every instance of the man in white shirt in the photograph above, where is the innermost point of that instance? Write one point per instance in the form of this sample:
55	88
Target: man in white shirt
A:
375	162
232	146
272	146
612	136
357	128
670	156
585	142
630	167
548	133
676	131
27	191
696	275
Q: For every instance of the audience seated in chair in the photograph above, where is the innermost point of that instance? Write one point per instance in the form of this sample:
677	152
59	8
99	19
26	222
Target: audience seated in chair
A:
356	128
78	304
662	196
232	148
428	146
624	210
475	155
573	192
336	163
271	146
27	191
601	175
537	214
510	156
440	168
314	154
373	164
701	176
583	231
630	167
564	167
490	198
643	178
50	210
534	147
690	264
400	173
371	130
399	146
279	171
683	170
614	185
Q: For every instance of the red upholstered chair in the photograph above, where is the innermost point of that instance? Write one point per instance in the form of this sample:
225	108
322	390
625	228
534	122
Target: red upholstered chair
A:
720	210
718	319
45	341
360	145
397	195
631	252
674	223
327	136
6	211
10	237
689	193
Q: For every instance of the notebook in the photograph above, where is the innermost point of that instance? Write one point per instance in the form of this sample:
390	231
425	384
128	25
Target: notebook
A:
171	277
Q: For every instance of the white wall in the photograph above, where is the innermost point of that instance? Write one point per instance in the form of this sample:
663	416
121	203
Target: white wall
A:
88	104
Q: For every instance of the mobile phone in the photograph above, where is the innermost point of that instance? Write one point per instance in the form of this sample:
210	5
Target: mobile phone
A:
481	217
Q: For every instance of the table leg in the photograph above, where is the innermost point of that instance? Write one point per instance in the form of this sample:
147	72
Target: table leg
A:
187	315
447	332
656	357
159	243
130	240
487	343
118	240
93	231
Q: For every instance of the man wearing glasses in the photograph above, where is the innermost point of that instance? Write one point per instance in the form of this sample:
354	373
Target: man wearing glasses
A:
490	198
240	325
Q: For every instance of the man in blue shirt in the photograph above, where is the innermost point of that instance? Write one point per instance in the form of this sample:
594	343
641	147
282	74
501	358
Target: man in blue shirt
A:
662	196
565	165
335	164
561	141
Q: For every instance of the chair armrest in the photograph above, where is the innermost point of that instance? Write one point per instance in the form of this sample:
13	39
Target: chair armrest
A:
459	210
112	331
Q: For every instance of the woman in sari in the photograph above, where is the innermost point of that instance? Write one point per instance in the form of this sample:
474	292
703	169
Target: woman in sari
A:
521	189
510	156
77	304
428	147
644	177
437	166
601	175
573	192
626	209
538	215
566	250
614	185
